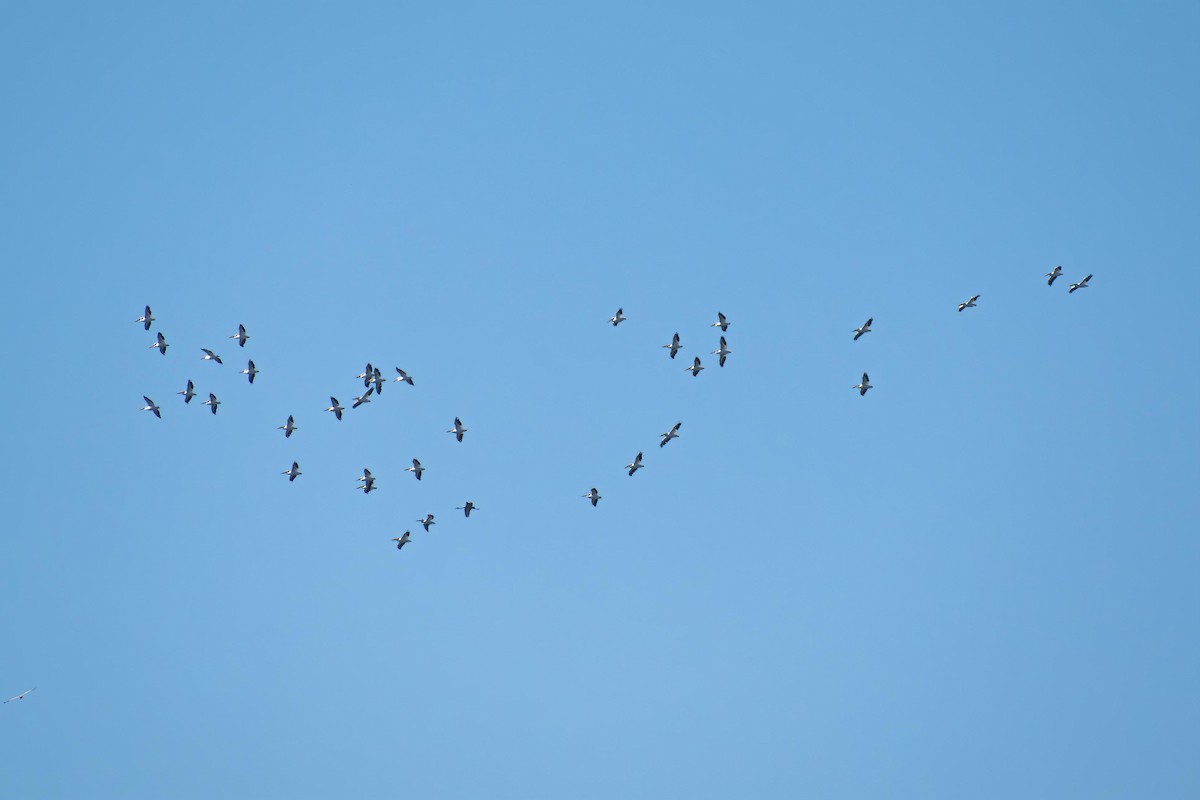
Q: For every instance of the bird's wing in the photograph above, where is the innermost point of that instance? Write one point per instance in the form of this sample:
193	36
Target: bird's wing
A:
865	378
149	402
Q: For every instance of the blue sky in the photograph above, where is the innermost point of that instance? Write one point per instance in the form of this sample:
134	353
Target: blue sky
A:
976	581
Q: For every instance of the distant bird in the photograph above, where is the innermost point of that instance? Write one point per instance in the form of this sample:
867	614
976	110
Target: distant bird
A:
866	328
427	522
1083	284
288	427
403	377
293	472
722	351
968	304
212	402
862	387
161	344
241	336
366	375
635	465
151	407
21	696
377	379
145	318
458	430
365	397
695	367
1052	275
593	495
250	370
335	407
721	322
671	434
189	392
367	480
467	509
209	355
402	540
618	318
674	345
415	469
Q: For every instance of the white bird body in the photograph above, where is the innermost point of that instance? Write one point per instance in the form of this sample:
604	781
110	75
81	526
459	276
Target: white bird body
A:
151	406
189	392
863	386
212	402
366	375
671	434
427	522
695	367
721	322
402	540
161	344
968	303
250	370
458	430
674	345
1053	275
335	407
241	336
866	328
722	351
1083	284
21	696
618	318
415	469
288	427
145	318
635	465
209	355
378	381
292	473
365	397
403	377
593	495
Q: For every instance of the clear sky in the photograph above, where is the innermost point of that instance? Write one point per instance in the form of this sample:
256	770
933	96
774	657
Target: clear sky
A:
978	581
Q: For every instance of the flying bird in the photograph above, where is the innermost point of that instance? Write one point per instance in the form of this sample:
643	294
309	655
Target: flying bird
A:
427	522
403	377
335	407
151	407
721	322
866	328
671	434
618	318
292	473
145	318
367	480
161	344
21	696
377	379
635	465
209	355
1083	284
250	370
212	402
402	540
968	304
458	430
288	427
862	387
722	351
1053	275
241	336
365	397
593	495
415	469
467	509
674	345
695	367
366	375
189	392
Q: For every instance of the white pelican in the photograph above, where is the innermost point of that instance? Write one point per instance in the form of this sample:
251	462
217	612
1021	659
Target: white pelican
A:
467	509
721	322
635	465
151	407
367	480
365	397
402	540
695	367
1081	285
722	352
674	345
212	402
21	696
427	522
862	387
366	375
618	318
403	377
866	328
161	344
145	318
189	392
241	336
335	407
293	472
377	379
1052	275
250	370
969	303
593	495
458	430
288	427
415	469
671	434
209	355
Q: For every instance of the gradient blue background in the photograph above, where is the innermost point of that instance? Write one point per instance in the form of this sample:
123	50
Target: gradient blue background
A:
977	581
